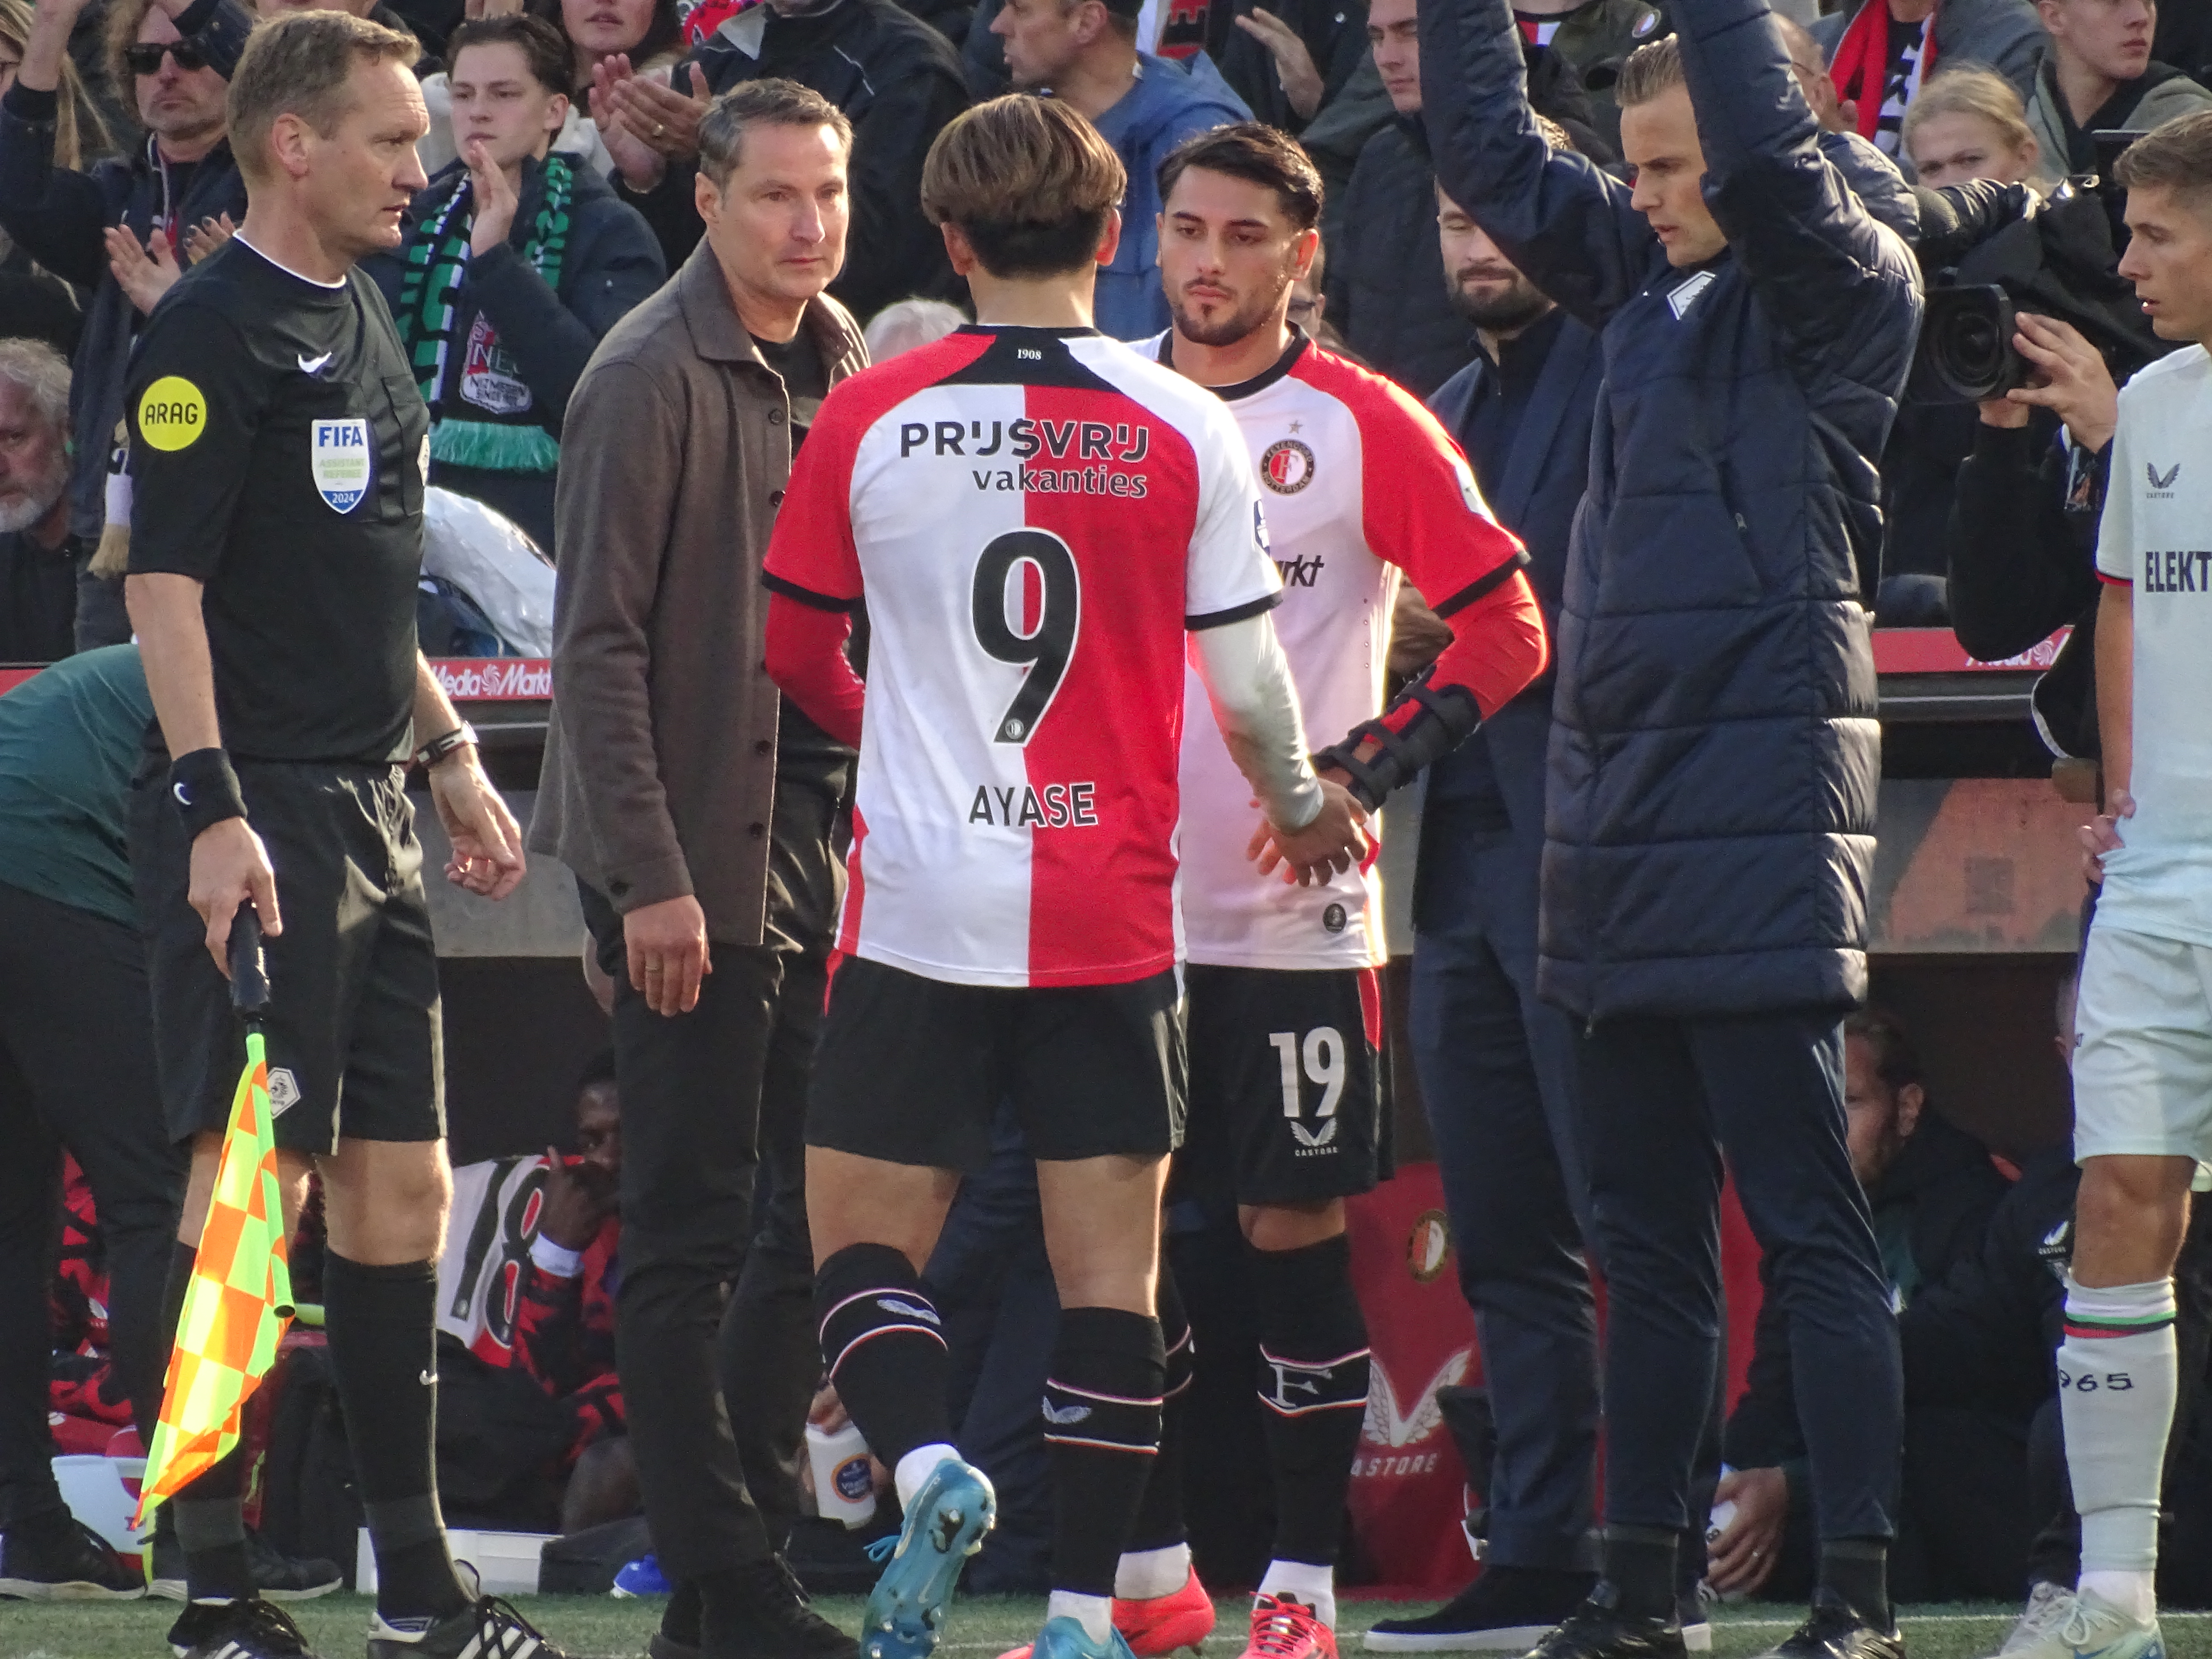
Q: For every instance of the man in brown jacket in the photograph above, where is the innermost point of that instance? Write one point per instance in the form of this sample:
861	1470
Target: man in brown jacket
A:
694	809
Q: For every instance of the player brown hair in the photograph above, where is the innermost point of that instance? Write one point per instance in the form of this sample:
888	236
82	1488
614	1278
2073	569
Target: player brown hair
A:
2177	156
770	102
1650	70
1258	154
299	66
1028	182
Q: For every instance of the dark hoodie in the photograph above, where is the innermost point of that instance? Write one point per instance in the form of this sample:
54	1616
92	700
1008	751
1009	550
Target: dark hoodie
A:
611	265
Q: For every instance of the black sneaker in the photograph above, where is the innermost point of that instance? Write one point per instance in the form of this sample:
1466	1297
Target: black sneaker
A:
488	1628
1834	1631
1596	1630
277	1577
761	1610
678	1635
61	1559
1505	1609
237	1629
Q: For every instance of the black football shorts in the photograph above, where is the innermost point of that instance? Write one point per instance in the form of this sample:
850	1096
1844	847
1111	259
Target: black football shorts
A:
1290	1081
352	1030
911	1070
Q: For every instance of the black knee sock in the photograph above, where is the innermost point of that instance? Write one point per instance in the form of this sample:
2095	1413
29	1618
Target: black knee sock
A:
1160	1524
207	1512
1101	1420
882	1345
384	1358
1312	1381
1856	1573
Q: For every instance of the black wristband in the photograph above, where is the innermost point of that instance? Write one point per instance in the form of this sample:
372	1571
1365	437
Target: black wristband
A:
463	736
205	789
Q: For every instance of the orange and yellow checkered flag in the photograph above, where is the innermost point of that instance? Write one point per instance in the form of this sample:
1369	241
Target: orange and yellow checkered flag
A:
239	1302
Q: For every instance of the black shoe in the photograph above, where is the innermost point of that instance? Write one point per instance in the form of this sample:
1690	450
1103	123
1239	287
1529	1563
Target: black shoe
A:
1834	1631
237	1629
678	1635
59	1559
1596	1630
488	1628
1505	1609
277	1577
761	1610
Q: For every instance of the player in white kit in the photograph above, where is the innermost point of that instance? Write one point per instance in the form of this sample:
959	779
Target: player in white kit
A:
2143	1062
1290	1079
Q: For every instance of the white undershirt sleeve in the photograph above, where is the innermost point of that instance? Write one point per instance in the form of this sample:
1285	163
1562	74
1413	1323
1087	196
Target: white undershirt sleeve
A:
1248	681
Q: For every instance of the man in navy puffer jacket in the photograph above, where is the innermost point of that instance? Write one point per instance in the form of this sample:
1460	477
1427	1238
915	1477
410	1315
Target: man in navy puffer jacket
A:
1714	754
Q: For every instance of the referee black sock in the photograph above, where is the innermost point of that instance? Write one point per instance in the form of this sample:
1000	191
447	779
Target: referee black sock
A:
1102	1419
383	1337
883	1346
1160	1524
207	1512
1313	1383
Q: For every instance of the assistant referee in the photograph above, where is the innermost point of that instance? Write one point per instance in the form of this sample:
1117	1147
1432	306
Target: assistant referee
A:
276	441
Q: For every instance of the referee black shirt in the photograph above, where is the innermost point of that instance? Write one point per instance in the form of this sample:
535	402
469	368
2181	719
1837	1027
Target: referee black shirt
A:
276	437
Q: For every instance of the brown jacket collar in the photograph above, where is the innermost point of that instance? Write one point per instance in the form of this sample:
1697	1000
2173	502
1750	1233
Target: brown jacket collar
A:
718	335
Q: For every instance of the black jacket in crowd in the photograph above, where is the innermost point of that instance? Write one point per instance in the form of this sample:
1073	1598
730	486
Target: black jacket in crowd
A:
1932	1211
611	265
899	81
1715	753
1385	280
61	218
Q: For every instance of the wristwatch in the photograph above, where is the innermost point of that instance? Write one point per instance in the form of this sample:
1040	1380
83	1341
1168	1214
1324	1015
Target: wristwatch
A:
438	748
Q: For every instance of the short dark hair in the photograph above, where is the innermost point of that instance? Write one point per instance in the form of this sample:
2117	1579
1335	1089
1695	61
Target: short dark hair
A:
1896	1061
2175	156
299	64
1028	180
771	102
543	47
600	1068
1258	155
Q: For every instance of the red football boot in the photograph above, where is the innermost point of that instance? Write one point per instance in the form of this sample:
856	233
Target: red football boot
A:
1284	1629
1158	1625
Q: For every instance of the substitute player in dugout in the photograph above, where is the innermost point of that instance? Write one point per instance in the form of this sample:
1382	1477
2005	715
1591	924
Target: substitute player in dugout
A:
276	449
1037	517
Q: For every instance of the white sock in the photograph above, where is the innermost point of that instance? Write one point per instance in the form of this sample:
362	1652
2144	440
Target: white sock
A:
1147	1574
1303	1582
916	1467
2116	1383
2135	1593
1094	1613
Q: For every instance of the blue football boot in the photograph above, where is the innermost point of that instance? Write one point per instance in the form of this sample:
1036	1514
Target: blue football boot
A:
1066	1638
945	1525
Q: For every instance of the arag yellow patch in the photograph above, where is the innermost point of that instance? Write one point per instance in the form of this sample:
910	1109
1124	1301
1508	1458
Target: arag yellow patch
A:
173	414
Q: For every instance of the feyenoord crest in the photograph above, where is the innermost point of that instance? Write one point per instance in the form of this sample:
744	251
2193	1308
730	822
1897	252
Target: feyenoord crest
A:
1287	466
342	461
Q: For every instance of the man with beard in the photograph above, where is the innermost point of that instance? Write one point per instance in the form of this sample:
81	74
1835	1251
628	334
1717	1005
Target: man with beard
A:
1289	1079
38	555
1496	1064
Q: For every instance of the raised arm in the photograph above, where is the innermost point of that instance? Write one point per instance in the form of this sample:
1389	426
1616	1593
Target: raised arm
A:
1826	270
1558	217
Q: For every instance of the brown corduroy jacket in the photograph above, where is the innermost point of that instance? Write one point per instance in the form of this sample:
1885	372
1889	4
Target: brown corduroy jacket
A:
660	774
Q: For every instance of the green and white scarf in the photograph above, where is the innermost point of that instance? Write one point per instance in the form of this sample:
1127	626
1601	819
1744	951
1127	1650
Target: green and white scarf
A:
489	439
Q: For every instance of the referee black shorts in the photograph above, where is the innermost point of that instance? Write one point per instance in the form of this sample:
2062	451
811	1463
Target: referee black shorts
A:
911	1070
1289	1082
352	1030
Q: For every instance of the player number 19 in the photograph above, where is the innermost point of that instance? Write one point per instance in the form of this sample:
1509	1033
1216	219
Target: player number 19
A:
1324	1065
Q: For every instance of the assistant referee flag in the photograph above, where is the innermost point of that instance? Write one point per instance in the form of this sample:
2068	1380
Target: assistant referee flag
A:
238	1301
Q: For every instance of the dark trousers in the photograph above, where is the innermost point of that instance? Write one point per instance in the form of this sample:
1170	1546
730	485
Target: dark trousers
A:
1496	1074
76	1071
1663	1101
703	1095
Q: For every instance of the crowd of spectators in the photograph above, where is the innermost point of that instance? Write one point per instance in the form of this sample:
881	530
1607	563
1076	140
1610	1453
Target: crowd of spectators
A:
575	171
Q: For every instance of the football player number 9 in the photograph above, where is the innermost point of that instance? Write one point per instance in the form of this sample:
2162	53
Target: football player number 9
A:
1028	606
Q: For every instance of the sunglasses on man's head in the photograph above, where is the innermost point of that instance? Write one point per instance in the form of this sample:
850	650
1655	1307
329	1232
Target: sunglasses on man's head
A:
145	57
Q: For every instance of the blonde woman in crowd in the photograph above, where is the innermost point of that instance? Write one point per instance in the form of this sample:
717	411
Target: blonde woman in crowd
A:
1968	123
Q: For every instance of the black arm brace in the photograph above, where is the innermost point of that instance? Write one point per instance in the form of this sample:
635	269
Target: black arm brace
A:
1445	719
